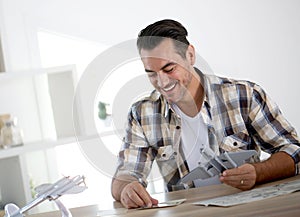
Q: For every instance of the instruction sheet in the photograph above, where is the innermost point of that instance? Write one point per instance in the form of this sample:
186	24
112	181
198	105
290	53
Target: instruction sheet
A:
252	195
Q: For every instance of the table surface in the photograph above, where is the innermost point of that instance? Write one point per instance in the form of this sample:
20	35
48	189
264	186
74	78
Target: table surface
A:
285	205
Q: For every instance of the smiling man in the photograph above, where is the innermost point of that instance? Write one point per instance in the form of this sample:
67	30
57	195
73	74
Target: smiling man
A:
191	115
173	76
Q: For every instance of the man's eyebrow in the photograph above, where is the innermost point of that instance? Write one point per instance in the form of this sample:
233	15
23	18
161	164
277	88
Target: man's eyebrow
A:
148	70
162	68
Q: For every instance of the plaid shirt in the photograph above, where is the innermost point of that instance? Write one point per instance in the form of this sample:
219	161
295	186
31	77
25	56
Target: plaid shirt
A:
239	115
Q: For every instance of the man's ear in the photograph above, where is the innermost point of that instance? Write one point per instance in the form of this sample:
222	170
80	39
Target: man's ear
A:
190	54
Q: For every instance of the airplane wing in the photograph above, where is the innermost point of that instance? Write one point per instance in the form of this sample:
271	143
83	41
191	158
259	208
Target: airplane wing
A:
72	190
197	173
238	157
46	188
42	187
75	190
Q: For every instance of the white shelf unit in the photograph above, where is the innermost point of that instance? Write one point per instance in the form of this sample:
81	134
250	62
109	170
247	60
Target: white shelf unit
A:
42	100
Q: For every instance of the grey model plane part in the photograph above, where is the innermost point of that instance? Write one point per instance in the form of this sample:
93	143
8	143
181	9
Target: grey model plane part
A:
217	165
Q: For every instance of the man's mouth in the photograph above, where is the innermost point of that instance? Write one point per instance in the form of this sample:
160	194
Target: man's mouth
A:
169	87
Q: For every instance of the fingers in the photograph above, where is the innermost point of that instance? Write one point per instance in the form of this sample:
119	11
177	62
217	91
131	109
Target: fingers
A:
154	201
135	195
243	177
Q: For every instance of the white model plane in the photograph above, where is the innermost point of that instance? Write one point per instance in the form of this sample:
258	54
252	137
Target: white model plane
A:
51	192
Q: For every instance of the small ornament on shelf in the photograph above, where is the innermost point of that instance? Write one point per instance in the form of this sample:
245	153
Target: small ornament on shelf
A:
11	134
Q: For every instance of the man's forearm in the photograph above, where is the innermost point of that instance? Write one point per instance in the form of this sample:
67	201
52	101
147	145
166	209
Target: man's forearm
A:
118	185
279	165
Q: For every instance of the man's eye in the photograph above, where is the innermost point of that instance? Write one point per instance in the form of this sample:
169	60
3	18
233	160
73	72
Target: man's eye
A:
168	70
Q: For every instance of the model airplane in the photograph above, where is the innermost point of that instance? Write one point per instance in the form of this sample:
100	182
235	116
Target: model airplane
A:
66	185
209	173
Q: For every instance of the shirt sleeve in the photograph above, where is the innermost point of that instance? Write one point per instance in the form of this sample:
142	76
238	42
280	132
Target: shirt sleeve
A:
135	157
274	132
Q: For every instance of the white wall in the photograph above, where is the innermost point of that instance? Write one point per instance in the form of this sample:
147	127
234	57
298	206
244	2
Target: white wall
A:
250	39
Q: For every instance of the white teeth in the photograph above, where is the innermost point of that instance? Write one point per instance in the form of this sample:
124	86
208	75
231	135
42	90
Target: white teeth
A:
170	87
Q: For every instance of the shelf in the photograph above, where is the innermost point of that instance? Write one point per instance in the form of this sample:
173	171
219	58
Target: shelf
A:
33	72
34	146
45	144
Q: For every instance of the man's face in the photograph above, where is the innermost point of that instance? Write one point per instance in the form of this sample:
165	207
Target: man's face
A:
168	72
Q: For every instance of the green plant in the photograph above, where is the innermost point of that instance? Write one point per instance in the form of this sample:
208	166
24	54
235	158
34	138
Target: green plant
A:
102	113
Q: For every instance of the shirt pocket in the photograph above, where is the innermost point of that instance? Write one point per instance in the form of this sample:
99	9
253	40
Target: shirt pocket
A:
165	153
167	162
235	142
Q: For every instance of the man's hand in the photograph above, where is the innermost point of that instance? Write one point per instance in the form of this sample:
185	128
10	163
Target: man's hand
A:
280	165
243	177
135	195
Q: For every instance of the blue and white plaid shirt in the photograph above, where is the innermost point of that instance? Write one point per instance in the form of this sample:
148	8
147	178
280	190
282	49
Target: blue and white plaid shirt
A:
239	116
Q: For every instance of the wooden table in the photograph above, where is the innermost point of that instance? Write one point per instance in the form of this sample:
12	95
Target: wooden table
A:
286	205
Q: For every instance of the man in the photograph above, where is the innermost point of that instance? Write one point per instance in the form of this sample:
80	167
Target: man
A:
190	113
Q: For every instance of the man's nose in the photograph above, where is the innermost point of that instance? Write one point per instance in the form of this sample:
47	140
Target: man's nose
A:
163	79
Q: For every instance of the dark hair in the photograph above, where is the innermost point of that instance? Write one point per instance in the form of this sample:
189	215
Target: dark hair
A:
155	33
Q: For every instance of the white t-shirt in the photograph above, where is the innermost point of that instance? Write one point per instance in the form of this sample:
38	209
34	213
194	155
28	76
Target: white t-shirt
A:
194	137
